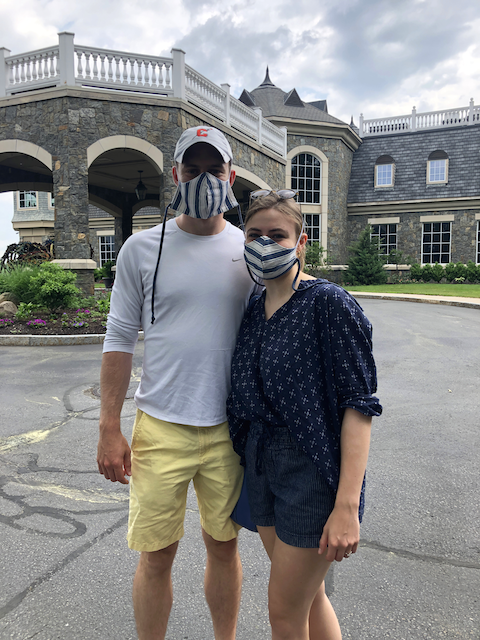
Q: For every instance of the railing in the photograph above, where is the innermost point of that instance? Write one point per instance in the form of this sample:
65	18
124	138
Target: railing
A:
32	70
420	121
73	65
205	94
125	71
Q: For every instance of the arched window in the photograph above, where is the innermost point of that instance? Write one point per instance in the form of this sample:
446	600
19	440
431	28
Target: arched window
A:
384	172
437	168
306	174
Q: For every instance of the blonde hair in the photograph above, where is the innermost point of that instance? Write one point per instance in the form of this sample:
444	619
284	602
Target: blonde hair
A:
289	208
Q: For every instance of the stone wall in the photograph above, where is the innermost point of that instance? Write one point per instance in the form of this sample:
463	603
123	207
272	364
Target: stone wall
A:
66	126
339	167
409	233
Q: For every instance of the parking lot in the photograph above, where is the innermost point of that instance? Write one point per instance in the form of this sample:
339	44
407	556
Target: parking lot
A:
66	569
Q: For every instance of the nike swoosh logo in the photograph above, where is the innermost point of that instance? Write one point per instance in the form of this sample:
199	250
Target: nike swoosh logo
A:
235	259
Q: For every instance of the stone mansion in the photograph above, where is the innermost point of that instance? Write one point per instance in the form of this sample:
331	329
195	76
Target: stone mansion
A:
87	138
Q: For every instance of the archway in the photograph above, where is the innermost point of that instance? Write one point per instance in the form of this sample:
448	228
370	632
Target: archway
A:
27	168
115	166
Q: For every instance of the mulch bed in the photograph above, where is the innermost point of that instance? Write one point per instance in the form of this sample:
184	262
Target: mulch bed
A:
54	324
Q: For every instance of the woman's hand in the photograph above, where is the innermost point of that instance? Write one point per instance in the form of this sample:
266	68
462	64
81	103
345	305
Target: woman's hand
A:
341	533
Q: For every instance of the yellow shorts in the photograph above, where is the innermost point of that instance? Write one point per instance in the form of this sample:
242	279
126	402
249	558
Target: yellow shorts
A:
165	457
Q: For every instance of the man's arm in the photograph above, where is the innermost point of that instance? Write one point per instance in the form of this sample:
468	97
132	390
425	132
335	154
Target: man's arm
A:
113	456
342	529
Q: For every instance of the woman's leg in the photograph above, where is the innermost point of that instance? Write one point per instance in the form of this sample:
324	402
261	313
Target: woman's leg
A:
298	606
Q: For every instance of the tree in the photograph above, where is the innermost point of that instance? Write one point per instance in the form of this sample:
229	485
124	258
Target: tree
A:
365	265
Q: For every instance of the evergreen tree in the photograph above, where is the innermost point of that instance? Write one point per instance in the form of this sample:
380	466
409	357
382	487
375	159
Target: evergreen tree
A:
365	265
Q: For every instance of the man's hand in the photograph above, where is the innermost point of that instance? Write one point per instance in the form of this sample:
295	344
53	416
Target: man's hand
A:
113	457
341	534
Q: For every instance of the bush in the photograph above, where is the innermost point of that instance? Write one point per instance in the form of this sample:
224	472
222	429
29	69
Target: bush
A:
25	310
427	273
17	280
460	271
54	286
450	271
416	271
438	272
473	272
365	266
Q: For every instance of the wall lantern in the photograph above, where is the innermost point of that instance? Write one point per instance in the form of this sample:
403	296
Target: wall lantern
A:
141	189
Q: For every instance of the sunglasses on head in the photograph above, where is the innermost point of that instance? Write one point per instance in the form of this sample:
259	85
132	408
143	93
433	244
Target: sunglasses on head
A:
284	194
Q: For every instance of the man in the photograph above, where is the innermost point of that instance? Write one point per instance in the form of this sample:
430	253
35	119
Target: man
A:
189	296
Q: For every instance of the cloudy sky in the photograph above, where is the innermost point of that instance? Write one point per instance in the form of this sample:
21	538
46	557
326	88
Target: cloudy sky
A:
376	57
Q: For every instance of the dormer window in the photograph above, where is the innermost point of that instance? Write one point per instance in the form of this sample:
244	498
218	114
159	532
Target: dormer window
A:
384	172
437	168
27	199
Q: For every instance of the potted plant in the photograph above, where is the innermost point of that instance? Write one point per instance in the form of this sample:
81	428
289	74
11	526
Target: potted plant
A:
108	274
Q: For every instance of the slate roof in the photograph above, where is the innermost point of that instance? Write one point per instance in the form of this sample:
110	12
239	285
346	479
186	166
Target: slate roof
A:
275	102
410	151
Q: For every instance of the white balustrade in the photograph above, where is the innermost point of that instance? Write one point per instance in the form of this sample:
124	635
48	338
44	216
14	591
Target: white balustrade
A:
273	137
127	71
69	64
421	121
244	118
32	70
205	93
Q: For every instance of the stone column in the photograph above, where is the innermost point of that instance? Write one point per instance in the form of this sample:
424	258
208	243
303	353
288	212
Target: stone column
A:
70	189
118	234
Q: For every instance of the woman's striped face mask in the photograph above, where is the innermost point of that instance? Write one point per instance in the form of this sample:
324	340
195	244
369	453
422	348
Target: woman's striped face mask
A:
267	259
203	197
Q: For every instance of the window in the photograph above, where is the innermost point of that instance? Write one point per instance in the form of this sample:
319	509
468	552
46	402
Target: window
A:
384	172
27	199
437	168
306	173
313	229
106	248
436	245
387	237
51	201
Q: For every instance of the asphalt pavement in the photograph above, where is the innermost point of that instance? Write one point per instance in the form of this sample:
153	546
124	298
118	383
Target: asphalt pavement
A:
66	571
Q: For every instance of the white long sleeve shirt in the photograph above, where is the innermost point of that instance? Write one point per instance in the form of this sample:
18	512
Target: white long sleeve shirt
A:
201	294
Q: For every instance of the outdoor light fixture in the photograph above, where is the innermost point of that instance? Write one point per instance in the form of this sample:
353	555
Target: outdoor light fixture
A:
141	189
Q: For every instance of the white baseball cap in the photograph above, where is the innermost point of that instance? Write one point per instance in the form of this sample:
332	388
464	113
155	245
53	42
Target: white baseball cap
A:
203	134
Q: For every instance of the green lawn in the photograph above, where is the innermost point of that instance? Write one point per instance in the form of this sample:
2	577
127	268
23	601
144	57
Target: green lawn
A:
430	289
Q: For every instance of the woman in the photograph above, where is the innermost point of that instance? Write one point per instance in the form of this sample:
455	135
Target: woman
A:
300	413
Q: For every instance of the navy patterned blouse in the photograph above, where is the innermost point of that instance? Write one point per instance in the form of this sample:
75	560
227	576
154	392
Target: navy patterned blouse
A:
302	368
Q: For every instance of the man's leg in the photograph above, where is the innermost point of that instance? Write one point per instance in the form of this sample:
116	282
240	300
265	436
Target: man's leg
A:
223	585
152	592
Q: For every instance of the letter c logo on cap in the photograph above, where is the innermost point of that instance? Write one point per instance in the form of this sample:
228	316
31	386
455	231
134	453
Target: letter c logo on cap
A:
202	133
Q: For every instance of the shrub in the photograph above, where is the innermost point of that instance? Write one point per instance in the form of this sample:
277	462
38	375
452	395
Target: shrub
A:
473	272
438	272
427	272
25	310
16	279
365	265
416	271
54	286
450	271
460	271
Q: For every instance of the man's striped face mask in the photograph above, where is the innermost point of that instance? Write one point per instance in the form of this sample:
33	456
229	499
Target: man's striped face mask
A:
267	259
203	197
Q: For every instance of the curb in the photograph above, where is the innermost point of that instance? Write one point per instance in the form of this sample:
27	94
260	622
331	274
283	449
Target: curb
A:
473	304
98	338
54	341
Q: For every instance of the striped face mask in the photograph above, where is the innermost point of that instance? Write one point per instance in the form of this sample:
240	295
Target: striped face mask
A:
203	197
267	259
